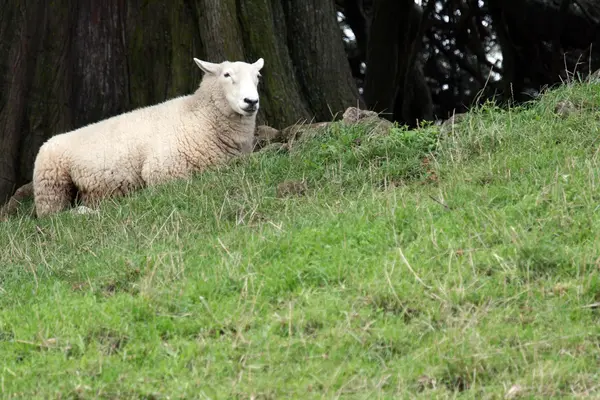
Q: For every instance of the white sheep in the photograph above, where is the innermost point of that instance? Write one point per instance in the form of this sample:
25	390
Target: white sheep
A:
151	145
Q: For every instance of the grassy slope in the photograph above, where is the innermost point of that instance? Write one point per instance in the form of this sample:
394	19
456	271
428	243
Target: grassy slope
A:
365	287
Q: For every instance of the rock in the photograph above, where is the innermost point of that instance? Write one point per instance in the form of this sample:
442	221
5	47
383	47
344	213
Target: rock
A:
377	126
564	108
353	115
594	76
449	125
299	132
370	119
23	193
275	147
514	392
83	210
291	188
265	135
425	382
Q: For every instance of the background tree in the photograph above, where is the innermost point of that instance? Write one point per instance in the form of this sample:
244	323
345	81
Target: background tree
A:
471	50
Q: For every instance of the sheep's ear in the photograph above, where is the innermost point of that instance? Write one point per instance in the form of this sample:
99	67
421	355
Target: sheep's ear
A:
258	64
208	67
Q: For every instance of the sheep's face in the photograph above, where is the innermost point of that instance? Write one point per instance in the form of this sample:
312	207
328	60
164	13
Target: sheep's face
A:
238	81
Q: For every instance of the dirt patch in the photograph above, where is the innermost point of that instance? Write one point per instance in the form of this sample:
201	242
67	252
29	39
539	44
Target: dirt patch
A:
110	341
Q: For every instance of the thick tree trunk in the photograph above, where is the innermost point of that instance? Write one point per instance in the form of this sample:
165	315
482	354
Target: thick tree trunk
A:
162	38
395	84
533	36
98	62
317	50
20	73
412	103
382	57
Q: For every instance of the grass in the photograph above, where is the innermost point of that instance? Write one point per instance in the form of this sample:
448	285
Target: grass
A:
415	265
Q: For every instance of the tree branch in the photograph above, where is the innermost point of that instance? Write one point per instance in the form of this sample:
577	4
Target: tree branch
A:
457	60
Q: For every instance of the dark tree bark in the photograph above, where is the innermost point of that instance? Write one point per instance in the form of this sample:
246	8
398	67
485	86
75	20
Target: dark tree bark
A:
73	62
395	84
543	41
382	55
358	22
162	38
98	62
30	21
412	102
321	65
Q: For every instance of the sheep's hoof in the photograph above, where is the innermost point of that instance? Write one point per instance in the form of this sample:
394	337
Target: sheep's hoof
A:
81	210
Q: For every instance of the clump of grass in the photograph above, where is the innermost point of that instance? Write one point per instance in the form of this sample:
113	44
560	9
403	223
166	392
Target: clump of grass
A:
412	264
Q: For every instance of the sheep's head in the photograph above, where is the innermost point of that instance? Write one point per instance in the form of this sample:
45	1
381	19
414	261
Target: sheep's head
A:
238	82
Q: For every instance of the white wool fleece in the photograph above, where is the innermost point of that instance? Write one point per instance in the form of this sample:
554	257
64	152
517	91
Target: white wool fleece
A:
153	144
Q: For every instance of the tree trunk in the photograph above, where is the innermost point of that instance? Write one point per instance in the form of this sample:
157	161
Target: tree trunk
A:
162	38
30	20
412	103
74	62
388	89
98	62
315	44
532	36
382	57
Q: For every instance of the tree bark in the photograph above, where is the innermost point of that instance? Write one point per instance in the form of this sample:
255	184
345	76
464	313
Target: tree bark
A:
533	34
21	69
98	61
413	103
321	64
382	57
395	84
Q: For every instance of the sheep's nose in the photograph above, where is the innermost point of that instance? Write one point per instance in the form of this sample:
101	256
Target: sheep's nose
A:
251	102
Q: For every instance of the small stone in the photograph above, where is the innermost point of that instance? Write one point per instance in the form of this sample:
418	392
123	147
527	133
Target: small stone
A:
449	125
265	135
513	392
274	147
291	188
565	108
300	132
594	76
83	210
353	115
426	382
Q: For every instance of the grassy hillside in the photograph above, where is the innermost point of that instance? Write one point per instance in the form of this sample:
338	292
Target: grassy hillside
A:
413	265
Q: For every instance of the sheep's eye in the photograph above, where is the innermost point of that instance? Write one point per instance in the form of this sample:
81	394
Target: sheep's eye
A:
227	75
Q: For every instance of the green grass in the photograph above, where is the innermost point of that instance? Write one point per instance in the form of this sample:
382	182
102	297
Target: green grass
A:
390	277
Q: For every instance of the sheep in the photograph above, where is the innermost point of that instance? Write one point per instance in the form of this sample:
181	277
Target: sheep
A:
151	145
